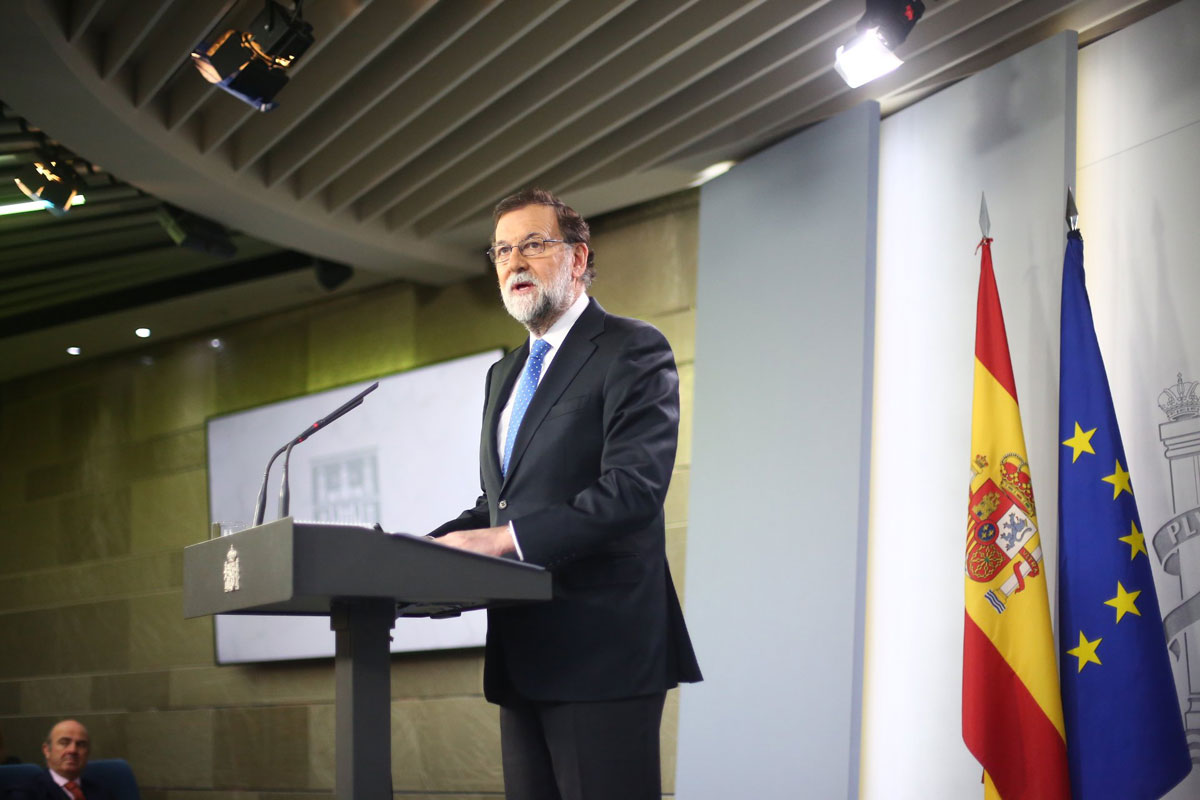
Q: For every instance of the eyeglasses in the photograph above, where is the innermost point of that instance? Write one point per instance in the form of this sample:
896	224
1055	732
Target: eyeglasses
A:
533	246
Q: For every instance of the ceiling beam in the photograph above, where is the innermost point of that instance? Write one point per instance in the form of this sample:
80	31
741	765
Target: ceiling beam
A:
128	31
80	15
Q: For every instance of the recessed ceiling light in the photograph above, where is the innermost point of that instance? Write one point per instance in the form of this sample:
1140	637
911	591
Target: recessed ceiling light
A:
143	333
73	350
215	344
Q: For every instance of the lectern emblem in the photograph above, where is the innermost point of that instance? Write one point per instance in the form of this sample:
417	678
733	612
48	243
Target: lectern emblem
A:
233	576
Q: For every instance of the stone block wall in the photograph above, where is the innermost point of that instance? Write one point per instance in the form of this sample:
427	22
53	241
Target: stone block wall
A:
103	482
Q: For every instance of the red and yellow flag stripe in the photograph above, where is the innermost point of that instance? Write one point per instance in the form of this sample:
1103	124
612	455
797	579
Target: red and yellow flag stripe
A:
1012	711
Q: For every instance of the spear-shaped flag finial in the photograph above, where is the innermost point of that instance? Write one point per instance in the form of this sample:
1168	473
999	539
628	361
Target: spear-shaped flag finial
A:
985	224
1072	211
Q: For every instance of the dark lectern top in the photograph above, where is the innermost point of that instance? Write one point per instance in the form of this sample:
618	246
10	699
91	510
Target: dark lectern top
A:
286	567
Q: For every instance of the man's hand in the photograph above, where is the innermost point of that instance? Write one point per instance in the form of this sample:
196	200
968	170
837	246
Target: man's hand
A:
489	541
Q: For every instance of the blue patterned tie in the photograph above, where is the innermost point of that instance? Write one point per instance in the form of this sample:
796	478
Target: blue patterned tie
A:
525	389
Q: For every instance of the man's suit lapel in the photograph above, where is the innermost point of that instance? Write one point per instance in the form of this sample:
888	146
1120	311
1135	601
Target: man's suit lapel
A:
501	388
577	348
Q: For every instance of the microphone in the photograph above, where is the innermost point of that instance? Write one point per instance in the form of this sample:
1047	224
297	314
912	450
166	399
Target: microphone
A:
260	507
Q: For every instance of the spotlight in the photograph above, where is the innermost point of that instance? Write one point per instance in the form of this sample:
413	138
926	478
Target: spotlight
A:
882	29
331	275
711	171
252	65
142	333
73	350
51	182
195	233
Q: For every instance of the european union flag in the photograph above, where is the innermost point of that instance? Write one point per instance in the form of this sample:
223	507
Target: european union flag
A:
1125	736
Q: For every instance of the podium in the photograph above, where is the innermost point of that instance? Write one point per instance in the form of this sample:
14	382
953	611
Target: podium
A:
362	580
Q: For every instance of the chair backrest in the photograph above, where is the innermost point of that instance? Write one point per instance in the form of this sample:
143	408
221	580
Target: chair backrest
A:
116	775
15	775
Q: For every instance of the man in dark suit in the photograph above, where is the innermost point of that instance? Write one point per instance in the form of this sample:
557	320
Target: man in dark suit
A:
578	444
66	749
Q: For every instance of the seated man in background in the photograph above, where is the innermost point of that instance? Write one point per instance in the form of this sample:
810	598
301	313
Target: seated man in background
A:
66	749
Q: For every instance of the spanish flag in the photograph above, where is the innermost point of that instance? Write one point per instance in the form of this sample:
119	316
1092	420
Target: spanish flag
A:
1012	712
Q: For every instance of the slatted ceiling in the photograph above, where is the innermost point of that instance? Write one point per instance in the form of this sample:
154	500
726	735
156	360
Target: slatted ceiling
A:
121	40
502	127
432	33
79	16
458	62
151	264
802	89
954	35
126	270
70	249
169	50
112	248
556	33
728	92
696	106
573	143
87	226
378	27
724	44
552	131
46	225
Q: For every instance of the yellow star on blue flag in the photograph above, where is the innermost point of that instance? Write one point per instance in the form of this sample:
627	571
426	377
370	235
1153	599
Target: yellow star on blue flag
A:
1132	682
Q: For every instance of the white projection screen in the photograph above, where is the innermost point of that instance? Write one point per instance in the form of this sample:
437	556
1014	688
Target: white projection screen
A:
407	458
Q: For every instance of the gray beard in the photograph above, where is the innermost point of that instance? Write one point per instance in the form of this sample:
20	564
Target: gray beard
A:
540	309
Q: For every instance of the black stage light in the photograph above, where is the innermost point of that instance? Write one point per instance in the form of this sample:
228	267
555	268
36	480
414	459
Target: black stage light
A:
883	27
51	181
252	65
195	233
894	18
279	36
330	274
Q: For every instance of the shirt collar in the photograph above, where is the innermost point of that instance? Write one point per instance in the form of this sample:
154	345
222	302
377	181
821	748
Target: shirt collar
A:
562	326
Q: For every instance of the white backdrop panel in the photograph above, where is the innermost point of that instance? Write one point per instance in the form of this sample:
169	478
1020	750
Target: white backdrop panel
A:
1009	131
777	517
408	458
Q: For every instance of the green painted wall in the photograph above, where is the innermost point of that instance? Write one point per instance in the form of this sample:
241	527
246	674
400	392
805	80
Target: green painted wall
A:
103	482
